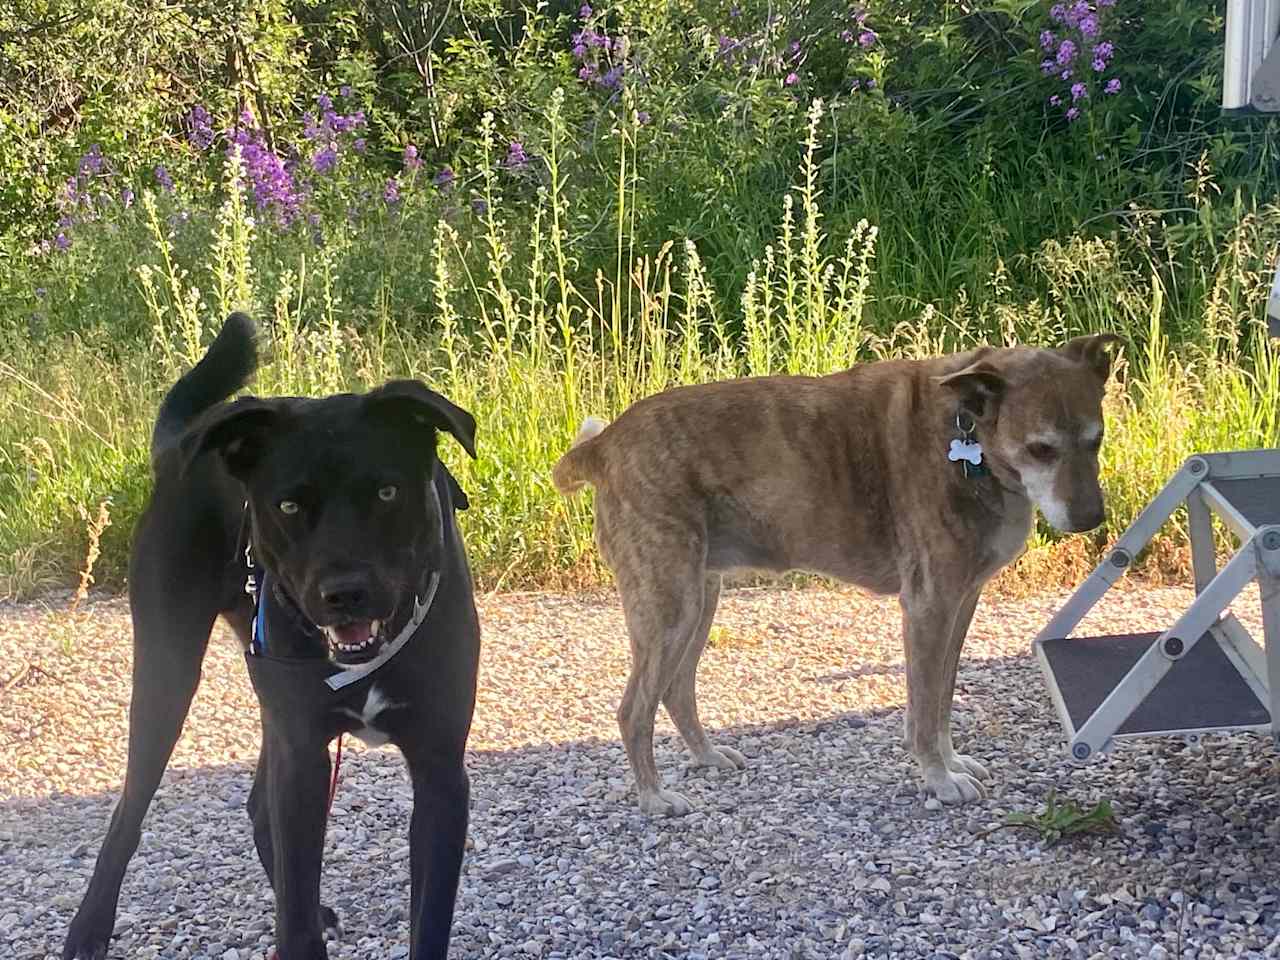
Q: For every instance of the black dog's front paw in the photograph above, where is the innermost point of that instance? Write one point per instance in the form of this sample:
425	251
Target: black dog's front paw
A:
86	941
330	923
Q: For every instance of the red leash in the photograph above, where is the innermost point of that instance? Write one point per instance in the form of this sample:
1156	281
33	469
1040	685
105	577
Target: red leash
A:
333	781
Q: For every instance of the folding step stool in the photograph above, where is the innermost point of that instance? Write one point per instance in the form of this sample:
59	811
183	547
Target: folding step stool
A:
1205	673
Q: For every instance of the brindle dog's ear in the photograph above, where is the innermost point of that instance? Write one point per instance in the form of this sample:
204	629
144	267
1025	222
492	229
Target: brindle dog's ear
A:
412	399
1091	350
978	387
237	430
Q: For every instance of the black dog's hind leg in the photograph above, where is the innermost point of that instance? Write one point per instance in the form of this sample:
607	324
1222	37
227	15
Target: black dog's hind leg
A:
261	818
437	838
171	633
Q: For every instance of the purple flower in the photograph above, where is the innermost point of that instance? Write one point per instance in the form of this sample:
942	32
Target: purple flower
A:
310	129
1106	3
1047	67
391	192
1073	113
268	179
871	84
324	102
791	80
444	179
325	159
1065	74
91	162
359	145
479	207
587	72
1104	50
855	85
613	79
1057	13
126	197
1078	91
40	293
847	36
344	90
163	178
200	128
62	242
411	161
516	157
1047	40
734	11
866	38
1066	53
1099	65
1055	101
1089	26
642	116
585	12
1113	86
579	51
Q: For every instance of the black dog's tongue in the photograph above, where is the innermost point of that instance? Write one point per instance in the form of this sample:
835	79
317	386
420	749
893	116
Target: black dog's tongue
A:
354	638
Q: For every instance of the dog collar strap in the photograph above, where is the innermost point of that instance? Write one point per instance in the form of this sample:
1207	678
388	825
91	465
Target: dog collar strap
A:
420	607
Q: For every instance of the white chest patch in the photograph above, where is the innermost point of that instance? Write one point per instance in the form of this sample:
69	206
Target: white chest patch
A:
375	702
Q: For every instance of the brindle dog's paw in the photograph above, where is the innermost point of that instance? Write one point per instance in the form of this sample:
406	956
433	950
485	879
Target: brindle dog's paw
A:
664	803
721	758
959	763
951	787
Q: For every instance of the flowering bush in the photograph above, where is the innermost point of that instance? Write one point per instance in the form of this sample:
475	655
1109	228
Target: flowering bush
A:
1077	55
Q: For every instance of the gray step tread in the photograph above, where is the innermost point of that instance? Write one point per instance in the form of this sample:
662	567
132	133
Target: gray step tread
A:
1203	690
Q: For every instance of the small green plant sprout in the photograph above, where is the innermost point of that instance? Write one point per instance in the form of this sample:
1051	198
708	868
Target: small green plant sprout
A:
1062	819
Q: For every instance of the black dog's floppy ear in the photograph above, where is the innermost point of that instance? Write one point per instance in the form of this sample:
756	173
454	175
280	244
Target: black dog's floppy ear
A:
237	430
457	496
426	407
978	386
1091	350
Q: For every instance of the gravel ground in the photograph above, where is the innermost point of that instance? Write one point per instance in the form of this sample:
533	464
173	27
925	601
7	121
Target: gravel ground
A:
821	848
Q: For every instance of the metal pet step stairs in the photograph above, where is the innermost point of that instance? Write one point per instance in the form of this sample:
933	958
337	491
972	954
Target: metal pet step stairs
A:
1205	673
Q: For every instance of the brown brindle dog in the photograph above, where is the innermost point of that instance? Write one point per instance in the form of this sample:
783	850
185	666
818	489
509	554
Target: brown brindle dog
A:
864	475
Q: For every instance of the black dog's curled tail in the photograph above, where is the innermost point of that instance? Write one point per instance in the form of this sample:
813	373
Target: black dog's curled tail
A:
225	368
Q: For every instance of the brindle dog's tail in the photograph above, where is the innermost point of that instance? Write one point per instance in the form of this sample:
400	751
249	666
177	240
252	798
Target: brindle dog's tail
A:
225	368
577	467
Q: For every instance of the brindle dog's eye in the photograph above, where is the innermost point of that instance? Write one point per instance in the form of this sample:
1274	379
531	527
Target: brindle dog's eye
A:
387	493
1093	446
289	507
1042	452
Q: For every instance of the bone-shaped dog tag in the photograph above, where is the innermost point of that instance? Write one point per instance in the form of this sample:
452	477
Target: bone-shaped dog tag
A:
967	450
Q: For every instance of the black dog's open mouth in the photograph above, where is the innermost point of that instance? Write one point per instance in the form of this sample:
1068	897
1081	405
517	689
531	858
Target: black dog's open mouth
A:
355	641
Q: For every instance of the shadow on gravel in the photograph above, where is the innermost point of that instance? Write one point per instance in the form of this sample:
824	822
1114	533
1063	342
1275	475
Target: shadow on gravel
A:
820	844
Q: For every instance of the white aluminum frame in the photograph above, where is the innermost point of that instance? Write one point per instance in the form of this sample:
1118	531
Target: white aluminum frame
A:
1258	558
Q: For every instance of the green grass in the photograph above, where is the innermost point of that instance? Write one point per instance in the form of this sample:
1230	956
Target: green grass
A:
515	334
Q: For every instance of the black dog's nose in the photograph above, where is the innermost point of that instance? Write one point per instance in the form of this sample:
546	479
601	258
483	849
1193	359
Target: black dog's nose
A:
344	593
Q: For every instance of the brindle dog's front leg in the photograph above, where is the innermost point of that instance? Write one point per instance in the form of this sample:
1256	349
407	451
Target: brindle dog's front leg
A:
297	789
930	621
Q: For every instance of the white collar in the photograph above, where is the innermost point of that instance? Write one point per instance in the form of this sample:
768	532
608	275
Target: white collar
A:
420	607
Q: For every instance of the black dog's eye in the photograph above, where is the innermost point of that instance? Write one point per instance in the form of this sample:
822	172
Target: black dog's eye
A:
388	493
1093	446
289	507
1042	452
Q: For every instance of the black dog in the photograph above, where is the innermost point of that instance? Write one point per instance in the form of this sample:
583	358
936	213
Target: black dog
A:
366	622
